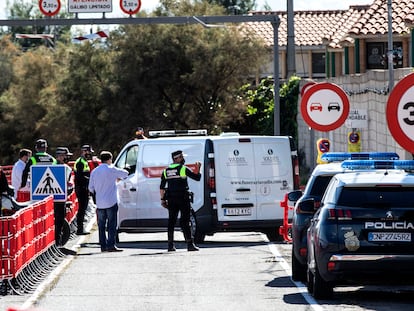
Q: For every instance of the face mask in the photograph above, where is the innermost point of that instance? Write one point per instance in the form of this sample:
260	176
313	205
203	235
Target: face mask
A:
88	156
182	161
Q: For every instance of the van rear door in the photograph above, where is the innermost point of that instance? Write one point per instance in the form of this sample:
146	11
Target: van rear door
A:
252	175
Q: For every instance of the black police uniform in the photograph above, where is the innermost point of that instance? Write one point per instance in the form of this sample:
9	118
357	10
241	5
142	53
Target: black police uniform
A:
174	182
82	175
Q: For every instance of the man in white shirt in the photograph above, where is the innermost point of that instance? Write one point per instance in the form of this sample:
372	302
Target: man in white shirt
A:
102	186
17	172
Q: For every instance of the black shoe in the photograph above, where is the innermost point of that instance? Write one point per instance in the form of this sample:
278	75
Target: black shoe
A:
192	248
82	233
171	248
114	249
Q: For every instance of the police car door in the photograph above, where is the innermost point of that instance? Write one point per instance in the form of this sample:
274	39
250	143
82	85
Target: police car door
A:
235	179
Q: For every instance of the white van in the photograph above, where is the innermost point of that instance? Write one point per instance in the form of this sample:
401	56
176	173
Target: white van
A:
244	178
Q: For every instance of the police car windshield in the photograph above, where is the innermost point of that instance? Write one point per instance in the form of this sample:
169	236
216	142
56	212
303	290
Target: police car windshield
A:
320	185
377	197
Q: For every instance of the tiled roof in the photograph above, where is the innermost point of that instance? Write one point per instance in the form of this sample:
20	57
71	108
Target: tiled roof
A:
312	28
336	28
375	20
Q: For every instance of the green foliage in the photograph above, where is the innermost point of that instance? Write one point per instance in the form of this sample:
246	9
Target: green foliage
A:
235	7
154	76
261	106
29	9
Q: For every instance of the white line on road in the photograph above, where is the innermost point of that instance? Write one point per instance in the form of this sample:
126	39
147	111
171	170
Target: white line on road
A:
302	287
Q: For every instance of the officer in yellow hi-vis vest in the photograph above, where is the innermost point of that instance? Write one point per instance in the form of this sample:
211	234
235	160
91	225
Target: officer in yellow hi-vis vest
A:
40	157
82	174
175	197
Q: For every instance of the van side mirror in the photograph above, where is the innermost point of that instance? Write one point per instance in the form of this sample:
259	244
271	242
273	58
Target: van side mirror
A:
293	196
307	206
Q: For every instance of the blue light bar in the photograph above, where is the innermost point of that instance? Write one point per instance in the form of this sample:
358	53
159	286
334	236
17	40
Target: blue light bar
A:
342	156
378	164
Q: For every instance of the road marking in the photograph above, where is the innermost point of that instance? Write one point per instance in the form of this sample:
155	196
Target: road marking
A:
302	287
47	284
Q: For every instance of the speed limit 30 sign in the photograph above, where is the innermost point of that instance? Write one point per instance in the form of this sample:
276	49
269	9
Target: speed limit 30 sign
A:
400	113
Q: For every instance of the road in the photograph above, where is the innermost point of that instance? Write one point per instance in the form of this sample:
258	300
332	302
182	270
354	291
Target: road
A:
232	271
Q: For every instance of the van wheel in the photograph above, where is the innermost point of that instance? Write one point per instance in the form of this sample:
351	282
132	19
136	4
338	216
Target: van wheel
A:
273	235
195	233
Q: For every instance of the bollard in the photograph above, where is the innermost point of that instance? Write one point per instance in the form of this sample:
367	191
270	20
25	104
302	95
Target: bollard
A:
286	226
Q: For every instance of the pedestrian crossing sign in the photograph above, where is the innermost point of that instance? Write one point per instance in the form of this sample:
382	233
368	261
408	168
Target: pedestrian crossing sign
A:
48	180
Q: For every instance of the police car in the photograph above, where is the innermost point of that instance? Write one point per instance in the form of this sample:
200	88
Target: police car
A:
315	188
363	232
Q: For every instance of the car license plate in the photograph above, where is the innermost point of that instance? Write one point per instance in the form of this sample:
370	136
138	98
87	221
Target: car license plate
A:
389	236
245	211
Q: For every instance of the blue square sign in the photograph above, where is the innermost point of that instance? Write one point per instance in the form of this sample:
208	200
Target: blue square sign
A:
48	180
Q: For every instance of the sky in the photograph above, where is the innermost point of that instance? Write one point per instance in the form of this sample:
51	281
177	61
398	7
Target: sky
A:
277	5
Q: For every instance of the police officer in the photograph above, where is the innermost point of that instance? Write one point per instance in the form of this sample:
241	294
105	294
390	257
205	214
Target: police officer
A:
82	174
40	157
62	156
175	197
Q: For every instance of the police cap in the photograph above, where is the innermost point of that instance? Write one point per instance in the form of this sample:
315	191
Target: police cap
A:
63	150
87	148
41	144
177	153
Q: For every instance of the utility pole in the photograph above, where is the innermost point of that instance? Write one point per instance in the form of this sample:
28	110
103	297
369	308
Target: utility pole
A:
390	49
291	65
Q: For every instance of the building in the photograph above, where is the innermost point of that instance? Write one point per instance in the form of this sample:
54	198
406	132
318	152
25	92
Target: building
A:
339	42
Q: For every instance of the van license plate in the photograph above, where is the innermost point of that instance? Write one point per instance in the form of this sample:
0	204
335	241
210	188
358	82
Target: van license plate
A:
245	211
389	236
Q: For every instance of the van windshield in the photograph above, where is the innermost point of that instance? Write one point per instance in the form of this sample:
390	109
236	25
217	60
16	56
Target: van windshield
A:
128	159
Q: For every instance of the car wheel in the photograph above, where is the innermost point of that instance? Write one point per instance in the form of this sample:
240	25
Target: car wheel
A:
298	270
321	288
195	233
310	282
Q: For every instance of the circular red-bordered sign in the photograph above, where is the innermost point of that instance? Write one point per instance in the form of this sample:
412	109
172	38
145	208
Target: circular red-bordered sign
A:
400	113
305	87
49	7
324	106
130	6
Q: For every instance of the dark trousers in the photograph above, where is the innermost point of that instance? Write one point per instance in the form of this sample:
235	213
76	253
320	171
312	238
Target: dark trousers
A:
83	200
60	213
179	205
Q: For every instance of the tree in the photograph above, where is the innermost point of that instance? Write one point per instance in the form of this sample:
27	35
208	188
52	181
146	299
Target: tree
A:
236	7
28	9
85	92
260	107
29	102
184	76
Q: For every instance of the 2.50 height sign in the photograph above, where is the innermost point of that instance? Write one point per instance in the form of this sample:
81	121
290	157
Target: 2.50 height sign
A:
130	6
49	7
